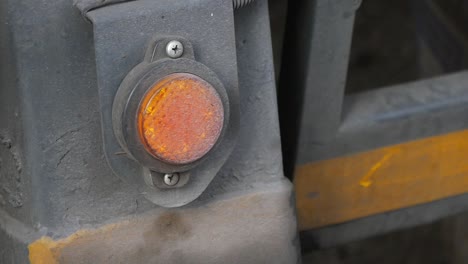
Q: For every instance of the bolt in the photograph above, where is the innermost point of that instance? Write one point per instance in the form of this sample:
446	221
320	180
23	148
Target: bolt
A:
171	179
174	49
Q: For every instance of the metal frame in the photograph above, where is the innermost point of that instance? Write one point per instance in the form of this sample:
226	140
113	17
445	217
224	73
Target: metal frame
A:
313	73
329	124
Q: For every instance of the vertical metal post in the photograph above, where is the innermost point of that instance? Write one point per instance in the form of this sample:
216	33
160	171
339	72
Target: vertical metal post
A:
312	81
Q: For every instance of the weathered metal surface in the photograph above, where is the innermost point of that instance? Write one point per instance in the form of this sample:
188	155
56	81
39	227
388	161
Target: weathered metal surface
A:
122	35
50	113
14	239
313	74
385	117
86	5
396	114
180	235
13	181
350	187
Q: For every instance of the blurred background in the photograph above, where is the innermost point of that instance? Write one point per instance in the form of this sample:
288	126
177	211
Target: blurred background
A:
396	42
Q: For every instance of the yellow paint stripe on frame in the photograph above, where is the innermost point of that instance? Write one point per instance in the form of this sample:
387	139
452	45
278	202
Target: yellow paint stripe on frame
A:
350	187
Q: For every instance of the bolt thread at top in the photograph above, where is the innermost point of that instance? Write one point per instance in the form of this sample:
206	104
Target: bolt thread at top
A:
241	3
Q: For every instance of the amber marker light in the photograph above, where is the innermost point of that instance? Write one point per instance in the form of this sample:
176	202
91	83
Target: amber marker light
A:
180	118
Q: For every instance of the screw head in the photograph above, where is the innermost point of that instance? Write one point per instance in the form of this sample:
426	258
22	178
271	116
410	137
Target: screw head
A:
174	49
171	179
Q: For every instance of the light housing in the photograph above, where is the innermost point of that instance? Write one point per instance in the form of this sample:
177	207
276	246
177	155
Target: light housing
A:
193	92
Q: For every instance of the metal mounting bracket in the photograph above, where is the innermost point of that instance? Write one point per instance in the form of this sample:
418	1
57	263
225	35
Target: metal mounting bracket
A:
122	33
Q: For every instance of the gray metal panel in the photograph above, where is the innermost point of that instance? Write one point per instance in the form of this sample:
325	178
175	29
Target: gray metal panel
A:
14	185
326	67
313	74
72	186
258	147
61	115
397	114
122	33
14	251
14	239
86	5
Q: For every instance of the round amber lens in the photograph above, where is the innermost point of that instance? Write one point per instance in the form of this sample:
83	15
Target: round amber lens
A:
180	118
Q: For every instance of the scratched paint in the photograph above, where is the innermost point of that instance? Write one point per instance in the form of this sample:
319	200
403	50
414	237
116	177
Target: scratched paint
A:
367	180
43	251
381	180
48	251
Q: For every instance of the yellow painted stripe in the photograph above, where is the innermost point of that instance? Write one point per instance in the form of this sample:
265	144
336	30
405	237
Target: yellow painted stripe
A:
350	187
